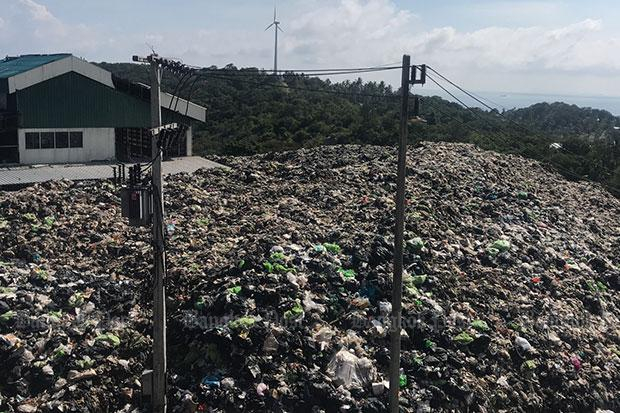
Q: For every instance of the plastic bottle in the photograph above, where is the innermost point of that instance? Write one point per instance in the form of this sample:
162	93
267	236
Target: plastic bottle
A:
402	378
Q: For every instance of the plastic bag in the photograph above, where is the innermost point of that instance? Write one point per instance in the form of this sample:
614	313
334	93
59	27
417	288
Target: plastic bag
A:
351	371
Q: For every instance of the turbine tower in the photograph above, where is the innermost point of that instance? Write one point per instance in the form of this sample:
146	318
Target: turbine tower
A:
276	25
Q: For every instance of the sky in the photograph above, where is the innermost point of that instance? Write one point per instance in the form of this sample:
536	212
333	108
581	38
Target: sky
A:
561	47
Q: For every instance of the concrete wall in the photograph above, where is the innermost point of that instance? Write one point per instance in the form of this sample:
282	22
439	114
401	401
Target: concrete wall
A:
189	142
98	145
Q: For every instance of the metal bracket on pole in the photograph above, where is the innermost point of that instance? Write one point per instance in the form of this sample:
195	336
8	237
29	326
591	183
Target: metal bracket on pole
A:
416	119
415	79
158	129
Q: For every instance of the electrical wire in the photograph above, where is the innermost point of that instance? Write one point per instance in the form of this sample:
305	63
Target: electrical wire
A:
183	129
471	95
552	165
387	66
178	87
181	84
173	138
333	92
459	88
271	75
452	95
526	129
460	122
233	76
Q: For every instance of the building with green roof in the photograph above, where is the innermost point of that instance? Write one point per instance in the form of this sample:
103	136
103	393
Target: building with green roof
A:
58	108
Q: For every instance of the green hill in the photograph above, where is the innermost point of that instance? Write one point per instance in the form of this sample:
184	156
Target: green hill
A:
250	111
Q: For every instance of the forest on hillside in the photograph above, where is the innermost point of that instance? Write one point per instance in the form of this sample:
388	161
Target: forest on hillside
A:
250	111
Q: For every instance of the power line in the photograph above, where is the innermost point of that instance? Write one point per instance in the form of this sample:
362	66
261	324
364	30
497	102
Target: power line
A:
449	93
460	122
233	76
476	114
388	66
552	165
281	86
461	89
179	86
528	130
470	94
296	73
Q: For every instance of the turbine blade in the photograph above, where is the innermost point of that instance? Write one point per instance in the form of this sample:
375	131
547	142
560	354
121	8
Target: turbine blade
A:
269	26
274	12
279	28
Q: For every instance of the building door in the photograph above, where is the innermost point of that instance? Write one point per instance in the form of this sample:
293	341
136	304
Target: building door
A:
9	144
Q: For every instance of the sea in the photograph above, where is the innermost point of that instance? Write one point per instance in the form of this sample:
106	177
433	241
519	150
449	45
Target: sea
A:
509	100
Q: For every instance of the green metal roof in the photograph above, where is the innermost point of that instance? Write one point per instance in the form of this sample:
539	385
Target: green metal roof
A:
11	66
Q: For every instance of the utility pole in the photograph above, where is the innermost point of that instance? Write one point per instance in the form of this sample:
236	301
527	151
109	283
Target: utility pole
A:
397	278
154	383
159	259
409	76
158	378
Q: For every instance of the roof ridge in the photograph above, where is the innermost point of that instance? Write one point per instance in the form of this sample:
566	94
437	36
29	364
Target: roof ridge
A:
13	65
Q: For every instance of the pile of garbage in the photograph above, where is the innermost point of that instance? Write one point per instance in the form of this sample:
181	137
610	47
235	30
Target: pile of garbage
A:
279	288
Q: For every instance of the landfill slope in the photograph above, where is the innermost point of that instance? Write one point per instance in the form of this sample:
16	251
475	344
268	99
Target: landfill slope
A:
279	282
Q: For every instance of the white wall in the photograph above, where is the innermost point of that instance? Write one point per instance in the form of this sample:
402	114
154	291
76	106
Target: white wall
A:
98	144
188	141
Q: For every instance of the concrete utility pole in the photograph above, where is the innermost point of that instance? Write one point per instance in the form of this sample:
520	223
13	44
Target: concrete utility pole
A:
159	259
154	384
397	279
409	76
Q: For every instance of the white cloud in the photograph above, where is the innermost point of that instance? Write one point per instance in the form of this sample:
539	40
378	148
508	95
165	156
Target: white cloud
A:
574	47
351	31
38	11
348	33
30	27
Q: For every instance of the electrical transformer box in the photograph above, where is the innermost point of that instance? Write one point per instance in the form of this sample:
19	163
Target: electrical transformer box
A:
136	204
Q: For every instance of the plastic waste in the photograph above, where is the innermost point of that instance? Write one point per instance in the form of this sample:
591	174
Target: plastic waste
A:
378	388
261	388
271	344
402	378
351	371
385	308
310	305
323	336
523	345
227	383
226	228
210	381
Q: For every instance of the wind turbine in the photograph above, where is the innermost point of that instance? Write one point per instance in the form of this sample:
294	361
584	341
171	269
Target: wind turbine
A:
276	25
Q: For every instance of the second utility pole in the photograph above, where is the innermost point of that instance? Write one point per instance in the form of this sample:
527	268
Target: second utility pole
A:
397	278
159	259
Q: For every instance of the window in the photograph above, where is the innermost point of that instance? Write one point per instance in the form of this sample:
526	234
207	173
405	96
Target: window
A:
75	139
62	140
47	140
32	140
